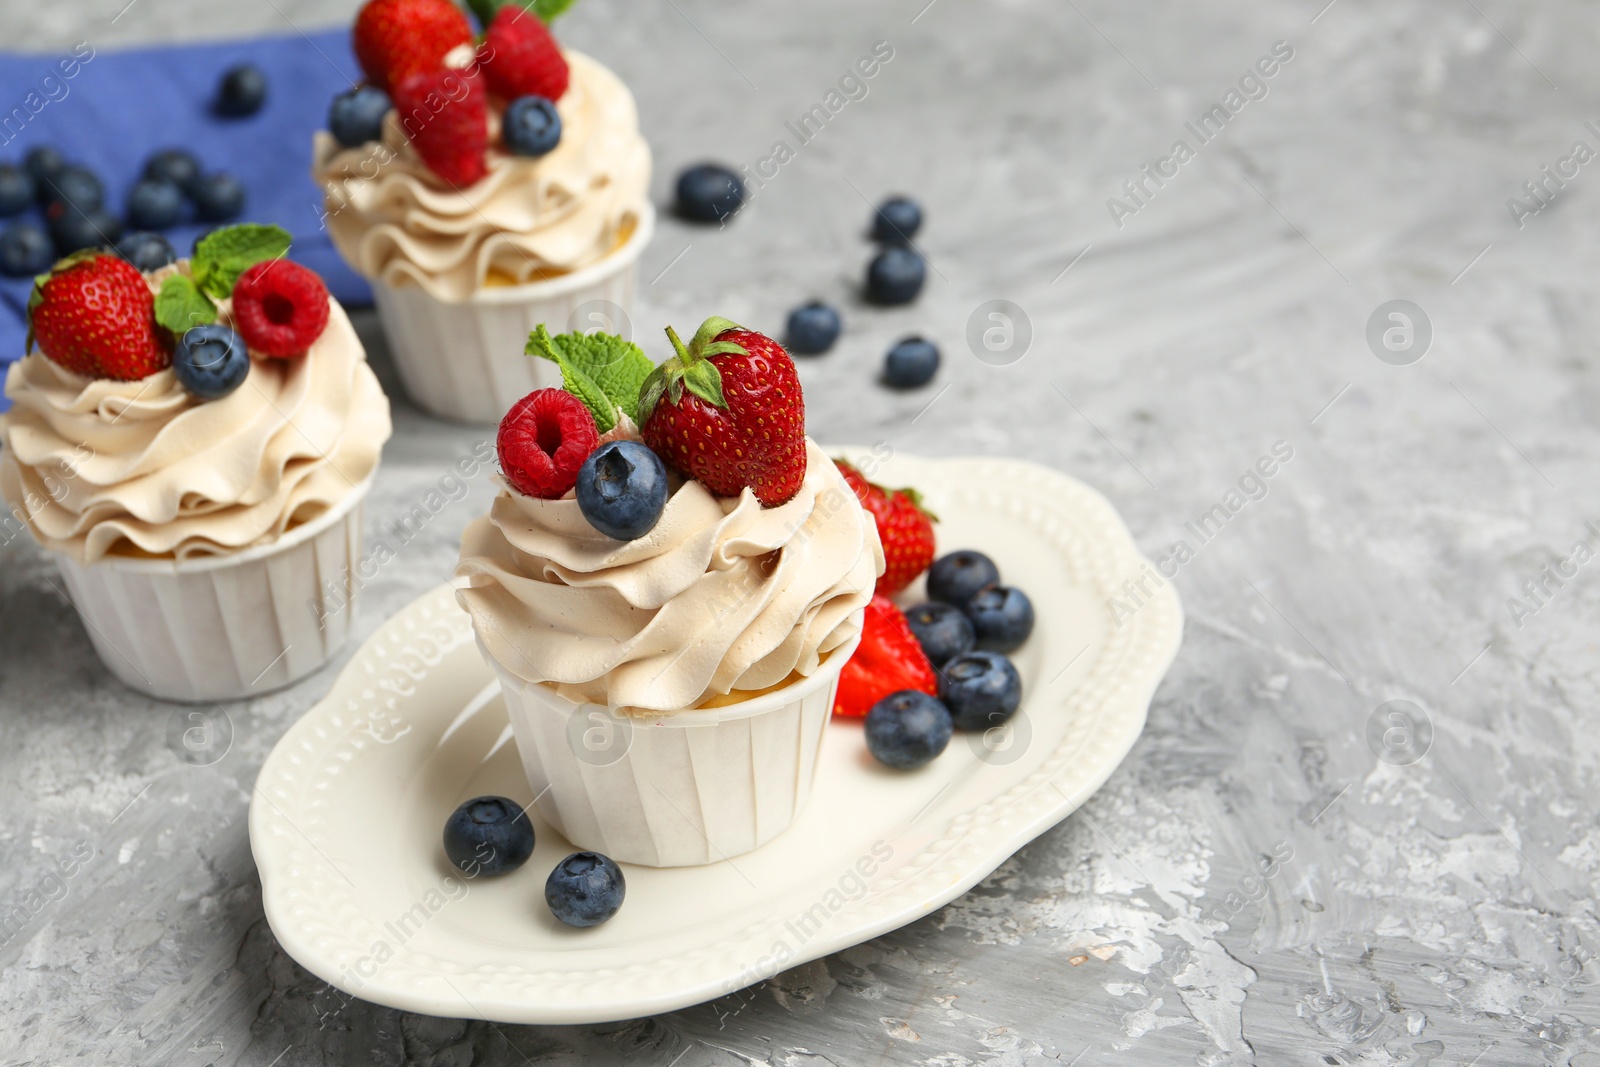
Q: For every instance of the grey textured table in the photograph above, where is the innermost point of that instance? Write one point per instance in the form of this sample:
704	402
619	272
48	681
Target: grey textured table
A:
1429	887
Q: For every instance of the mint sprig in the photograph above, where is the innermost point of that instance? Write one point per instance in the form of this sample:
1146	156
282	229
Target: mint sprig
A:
547	10
601	369
186	301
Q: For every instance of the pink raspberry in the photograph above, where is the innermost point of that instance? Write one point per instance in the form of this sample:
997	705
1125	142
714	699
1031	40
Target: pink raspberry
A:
280	308
543	440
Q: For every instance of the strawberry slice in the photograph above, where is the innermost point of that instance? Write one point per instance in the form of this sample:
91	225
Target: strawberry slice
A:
888	660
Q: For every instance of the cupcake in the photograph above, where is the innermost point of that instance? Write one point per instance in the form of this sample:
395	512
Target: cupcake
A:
193	445
482	188
668	607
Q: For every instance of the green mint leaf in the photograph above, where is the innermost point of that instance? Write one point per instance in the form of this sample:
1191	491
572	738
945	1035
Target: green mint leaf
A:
181	305
485	10
224	254
600	369
549	10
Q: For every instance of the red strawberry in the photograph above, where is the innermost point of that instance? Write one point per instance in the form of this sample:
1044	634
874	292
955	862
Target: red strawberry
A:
446	115
521	58
727	412
904	526
95	315
543	441
395	39
888	660
280	308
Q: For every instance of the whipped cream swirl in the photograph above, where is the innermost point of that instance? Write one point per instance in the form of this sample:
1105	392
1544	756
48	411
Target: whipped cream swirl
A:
529	219
721	595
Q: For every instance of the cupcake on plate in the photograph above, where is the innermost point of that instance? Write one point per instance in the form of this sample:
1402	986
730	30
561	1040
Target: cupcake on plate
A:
483	186
668	607
193	445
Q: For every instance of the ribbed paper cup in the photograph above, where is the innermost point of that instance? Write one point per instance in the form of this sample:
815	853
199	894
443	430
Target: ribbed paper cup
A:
672	790
464	361
230	626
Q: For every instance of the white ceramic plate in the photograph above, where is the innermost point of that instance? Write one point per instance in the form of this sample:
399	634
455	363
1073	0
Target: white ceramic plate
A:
346	817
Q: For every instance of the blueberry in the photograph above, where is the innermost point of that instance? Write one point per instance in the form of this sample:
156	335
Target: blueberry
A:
981	689
896	221
43	164
709	192
622	489
210	361
73	230
242	91
25	251
895	276
531	126
356	116
955	577
812	329
155	205
77	187
146	251
910	363
173	165
488	835
942	630
1002	617
585	889
906	730
16	189
218	197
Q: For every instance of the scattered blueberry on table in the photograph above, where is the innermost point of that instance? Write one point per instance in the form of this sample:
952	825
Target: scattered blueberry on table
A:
908	729
896	220
709	192
585	889
155	205
812	329
211	361
956	576
622	489
76	187
43	164
25	251
1002	617
146	251
242	91
218	197
912	362
895	276
16	189
981	689
73	230
488	835
943	630
173	165
356	116
531	126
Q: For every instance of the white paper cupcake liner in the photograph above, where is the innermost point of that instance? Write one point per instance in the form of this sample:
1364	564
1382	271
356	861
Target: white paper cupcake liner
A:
230	626
673	790
465	361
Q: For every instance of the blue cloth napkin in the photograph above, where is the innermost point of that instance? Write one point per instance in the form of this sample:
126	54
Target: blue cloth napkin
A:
119	107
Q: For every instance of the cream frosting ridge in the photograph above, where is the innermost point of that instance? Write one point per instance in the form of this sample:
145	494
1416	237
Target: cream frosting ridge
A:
722	594
394	220
142	468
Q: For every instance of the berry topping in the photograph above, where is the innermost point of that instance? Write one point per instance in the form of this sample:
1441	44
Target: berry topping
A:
73	231
1002	617
812	329
981	689
446	115
16	189
210	361
218	197
709	192
887	661
220	259
394	39
943	630
896	220
727	411
24	251
356	115
94	315
955	577
585	889
905	529
147	251
173	165
622	489
280	307
910	363
908	729
521	58
895	276
531	126
242	91
543	441
155	205
489	835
